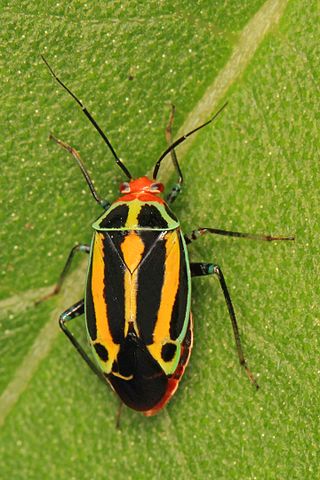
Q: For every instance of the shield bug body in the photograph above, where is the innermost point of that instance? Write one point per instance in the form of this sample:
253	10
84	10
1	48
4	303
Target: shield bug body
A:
138	290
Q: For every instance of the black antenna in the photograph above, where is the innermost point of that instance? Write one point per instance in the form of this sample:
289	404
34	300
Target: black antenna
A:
182	139
92	120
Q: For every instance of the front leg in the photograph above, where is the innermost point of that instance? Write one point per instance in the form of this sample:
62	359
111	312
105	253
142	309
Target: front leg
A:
66	268
176	189
202	269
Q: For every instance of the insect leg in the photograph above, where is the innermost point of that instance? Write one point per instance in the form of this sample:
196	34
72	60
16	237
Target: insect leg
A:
195	234
176	189
104	203
66	268
118	416
71	313
201	269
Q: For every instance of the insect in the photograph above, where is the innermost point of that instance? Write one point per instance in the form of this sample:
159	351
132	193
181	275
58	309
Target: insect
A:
138	288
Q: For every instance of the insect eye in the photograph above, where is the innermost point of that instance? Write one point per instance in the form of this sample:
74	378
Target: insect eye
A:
156	187
125	187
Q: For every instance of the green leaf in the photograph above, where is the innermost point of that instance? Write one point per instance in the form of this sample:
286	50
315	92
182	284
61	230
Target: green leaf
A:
255	169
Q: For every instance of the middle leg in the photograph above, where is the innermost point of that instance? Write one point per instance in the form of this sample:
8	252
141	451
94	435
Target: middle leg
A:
73	312
199	232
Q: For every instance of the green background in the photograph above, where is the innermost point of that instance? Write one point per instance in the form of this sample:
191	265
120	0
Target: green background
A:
256	169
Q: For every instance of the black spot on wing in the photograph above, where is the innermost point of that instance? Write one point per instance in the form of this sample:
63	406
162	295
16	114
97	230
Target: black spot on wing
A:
101	351
116	218
89	308
168	351
150	281
180	303
150	216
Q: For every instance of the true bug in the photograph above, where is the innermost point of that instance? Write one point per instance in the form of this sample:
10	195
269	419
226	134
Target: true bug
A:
137	298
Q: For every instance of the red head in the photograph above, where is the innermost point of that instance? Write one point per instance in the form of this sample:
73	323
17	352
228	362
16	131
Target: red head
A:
141	188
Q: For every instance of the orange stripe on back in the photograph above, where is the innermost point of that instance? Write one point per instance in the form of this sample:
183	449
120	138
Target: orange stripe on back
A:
168	294
101	309
132	250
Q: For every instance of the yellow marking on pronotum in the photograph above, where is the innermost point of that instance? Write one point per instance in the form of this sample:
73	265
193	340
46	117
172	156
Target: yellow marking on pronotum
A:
132	250
134	210
161	334
100	307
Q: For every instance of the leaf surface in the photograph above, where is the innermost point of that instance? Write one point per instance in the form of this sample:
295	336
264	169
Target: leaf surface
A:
255	170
